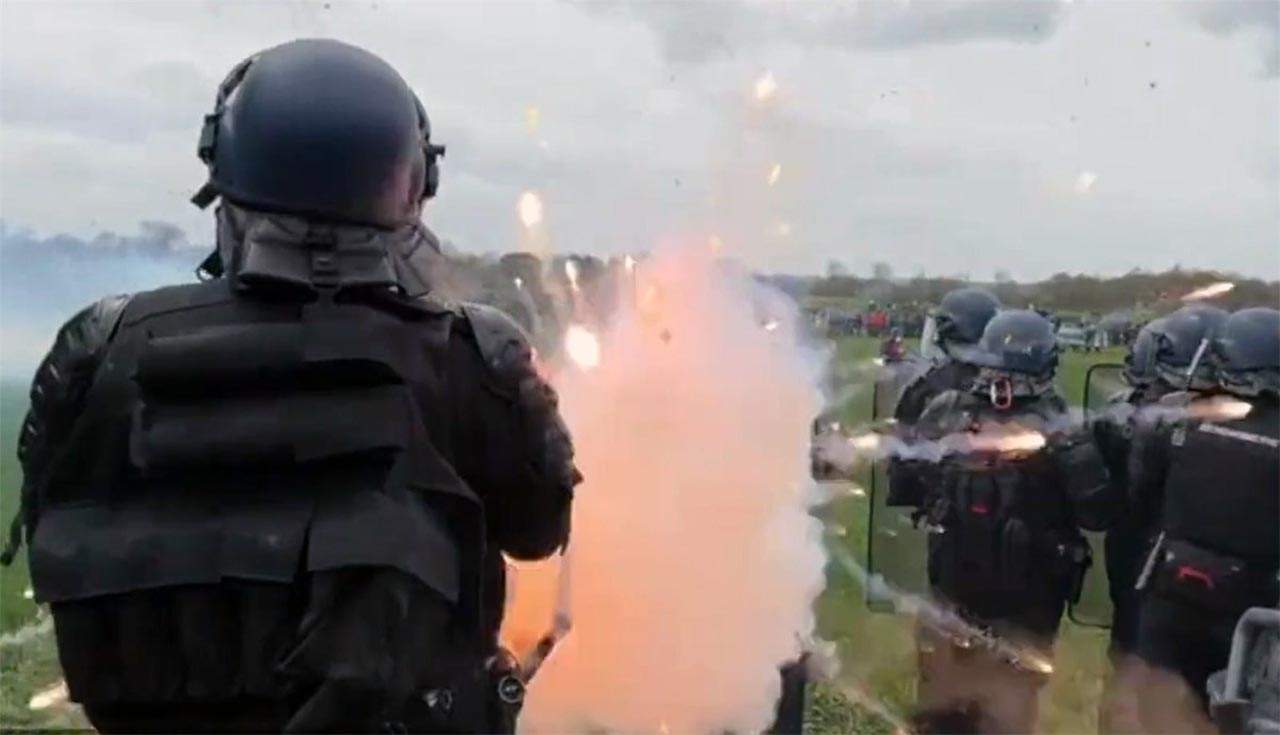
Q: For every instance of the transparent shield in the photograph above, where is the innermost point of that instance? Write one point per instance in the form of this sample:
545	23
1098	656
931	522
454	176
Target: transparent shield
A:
1103	385
896	548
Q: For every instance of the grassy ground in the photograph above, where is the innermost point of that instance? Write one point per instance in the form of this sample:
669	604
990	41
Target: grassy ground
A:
876	649
14	608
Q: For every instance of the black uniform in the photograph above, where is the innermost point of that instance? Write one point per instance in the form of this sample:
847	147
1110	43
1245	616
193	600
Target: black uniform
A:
1220	518
1129	538
904	487
288	499
279	499
960	320
1005	552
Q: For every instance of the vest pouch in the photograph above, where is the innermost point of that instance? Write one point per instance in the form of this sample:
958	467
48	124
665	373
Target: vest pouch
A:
1016	561
271	431
237	359
966	555
1209	580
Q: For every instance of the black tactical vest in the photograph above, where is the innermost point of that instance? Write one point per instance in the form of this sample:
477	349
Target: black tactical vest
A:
1003	534
231	434
1222	492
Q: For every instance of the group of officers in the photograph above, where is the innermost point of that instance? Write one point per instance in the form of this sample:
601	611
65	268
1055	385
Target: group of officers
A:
1179	469
280	499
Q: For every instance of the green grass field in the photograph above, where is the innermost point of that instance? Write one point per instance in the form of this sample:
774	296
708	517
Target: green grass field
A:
876	650
14	608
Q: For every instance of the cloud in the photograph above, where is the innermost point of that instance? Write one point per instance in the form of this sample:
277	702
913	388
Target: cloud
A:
702	31
938	135
1251	17
46	279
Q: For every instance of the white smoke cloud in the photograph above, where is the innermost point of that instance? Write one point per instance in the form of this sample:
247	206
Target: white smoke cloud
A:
695	561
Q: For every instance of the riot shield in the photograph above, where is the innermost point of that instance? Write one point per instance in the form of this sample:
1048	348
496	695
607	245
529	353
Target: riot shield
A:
1103	383
1104	389
896	549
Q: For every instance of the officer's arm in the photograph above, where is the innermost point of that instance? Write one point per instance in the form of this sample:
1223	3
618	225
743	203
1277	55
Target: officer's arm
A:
911	479
527	482
57	396
1082	471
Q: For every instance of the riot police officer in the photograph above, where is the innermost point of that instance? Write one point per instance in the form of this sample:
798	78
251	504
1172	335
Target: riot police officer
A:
1157	365
1212	465
279	499
955	329
1003	507
948	344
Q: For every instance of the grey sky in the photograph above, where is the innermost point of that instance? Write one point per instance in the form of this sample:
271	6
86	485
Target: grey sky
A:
949	137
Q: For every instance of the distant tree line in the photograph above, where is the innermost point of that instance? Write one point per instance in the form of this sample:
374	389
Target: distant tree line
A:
1139	290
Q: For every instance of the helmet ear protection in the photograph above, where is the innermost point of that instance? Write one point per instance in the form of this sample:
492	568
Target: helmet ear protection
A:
208	145
207	148
430	154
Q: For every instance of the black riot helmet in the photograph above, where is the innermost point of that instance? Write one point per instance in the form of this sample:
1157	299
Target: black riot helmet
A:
1247	350
1140	363
962	315
1017	356
1018	341
320	129
1182	343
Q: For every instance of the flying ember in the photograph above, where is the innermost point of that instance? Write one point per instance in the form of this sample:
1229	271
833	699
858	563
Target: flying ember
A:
774	173
532	118
582	346
1219	408
571	272
1022	441
1210	291
766	86
529	207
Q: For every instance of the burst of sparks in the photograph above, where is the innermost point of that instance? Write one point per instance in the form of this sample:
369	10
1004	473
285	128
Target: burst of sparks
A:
1220	408
571	272
775	173
1085	182
582	346
1210	291
518	281
1023	441
529	206
865	442
766	87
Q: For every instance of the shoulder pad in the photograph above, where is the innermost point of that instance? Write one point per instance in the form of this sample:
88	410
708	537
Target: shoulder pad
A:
503	344
91	329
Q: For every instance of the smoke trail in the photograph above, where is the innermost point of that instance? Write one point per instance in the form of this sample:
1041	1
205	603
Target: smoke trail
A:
943	620
695	560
